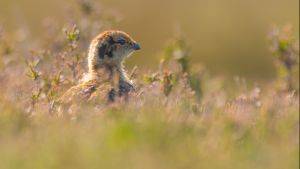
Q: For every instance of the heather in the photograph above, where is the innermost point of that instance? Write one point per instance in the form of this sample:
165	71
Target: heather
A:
180	116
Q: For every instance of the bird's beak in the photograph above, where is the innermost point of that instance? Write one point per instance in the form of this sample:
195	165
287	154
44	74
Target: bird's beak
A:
136	46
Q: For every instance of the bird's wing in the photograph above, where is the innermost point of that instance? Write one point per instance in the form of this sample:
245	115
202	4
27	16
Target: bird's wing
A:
90	91
78	93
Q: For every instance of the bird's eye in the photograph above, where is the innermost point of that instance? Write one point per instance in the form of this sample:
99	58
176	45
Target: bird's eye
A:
121	41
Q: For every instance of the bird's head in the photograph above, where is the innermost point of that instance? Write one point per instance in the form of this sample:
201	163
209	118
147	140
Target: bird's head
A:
120	44
109	49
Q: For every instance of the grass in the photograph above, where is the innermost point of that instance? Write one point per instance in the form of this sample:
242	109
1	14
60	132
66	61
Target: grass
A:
239	134
181	117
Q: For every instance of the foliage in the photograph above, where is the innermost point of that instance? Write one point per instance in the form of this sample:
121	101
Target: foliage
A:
286	50
179	117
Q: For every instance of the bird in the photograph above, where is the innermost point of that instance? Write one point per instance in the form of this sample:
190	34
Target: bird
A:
106	78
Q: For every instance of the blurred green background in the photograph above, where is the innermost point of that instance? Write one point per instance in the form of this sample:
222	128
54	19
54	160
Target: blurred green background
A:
229	37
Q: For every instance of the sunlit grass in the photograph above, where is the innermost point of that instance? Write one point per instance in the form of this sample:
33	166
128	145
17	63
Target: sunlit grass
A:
180	117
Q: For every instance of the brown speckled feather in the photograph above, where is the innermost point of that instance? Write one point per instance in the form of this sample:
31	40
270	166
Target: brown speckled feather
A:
84	91
107	78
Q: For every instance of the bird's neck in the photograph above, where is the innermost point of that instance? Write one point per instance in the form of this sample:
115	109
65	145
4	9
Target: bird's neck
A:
102	74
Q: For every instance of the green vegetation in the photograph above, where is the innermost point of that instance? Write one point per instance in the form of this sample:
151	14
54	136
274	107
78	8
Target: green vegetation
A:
181	116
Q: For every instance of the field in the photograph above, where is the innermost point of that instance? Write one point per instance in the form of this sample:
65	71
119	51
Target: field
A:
181	116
